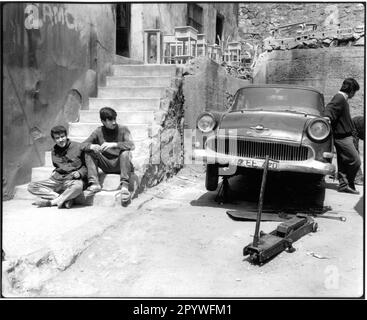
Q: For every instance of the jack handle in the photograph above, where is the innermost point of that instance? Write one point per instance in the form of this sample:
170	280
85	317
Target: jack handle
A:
261	201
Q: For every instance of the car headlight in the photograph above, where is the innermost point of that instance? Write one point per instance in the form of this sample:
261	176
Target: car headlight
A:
206	122
318	129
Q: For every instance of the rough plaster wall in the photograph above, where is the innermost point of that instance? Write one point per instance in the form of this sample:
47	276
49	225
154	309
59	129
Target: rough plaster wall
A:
163	16
324	69
51	56
167	16
261	17
136	32
207	88
230	28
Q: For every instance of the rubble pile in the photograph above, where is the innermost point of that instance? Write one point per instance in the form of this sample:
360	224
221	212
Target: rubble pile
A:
240	71
317	39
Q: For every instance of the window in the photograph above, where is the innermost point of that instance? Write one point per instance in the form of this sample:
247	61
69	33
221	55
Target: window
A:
195	16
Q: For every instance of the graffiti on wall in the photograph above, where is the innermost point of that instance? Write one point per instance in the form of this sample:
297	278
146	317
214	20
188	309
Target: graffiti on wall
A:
332	18
38	15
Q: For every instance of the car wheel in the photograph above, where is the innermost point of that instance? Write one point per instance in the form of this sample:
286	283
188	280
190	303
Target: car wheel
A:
211	178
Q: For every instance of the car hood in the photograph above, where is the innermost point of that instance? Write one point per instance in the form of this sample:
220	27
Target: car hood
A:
286	126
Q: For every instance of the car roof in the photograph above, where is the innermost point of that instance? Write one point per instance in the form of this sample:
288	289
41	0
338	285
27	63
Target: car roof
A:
285	86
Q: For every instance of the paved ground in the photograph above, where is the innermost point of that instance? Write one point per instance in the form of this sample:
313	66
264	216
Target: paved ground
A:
178	242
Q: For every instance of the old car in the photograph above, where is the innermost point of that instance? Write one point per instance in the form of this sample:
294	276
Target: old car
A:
283	122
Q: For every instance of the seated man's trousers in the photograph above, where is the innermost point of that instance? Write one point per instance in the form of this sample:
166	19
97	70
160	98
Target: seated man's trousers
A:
51	189
120	164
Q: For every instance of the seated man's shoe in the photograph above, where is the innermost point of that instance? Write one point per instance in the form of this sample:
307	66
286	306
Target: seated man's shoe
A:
125	195
348	189
94	188
42	203
68	204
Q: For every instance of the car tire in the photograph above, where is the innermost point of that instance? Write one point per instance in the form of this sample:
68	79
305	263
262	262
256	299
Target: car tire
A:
211	178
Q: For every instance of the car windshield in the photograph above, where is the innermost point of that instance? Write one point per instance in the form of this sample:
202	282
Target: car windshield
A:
279	99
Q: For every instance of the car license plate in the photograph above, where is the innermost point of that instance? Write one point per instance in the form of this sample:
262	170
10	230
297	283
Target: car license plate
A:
254	163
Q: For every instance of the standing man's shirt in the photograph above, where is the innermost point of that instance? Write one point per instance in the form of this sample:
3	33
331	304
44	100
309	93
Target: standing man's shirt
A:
121	135
67	160
338	112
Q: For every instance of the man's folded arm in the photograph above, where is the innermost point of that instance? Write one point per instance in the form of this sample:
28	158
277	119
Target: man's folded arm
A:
127	144
83	171
92	139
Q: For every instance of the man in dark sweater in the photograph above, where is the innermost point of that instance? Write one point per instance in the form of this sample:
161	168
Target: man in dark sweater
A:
66	181
337	110
108	147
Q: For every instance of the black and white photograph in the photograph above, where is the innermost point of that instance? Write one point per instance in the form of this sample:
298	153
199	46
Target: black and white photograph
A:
183	150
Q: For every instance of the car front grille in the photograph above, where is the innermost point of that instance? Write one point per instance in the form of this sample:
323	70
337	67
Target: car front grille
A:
257	149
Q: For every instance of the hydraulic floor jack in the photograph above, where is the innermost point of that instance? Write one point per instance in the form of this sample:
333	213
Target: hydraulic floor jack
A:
267	245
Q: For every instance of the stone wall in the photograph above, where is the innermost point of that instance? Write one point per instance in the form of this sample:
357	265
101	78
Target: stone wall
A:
53	57
324	69
260	18
166	144
206	87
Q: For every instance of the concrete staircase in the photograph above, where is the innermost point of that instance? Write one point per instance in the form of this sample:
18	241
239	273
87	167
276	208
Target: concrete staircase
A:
135	92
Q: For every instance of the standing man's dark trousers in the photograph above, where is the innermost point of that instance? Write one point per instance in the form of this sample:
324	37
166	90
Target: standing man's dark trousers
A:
359	175
348	161
120	164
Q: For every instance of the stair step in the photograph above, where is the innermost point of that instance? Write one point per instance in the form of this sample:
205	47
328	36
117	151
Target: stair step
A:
79	129
125	104
139	81
21	193
48	159
142	149
125	117
106	198
41	173
144	70
101	199
132	92
136	141
108	181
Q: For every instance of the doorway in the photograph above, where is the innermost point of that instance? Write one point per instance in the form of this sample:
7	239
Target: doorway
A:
219	28
123	16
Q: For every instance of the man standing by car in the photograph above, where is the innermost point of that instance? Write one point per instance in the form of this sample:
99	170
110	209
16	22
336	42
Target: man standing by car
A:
66	181
108	148
337	110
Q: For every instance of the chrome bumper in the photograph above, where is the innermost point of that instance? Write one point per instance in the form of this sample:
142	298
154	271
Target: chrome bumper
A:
232	162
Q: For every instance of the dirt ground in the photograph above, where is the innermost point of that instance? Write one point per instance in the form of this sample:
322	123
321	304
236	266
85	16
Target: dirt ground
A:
181	243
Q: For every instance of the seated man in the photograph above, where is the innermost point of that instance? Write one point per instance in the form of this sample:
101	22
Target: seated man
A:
108	147
66	181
